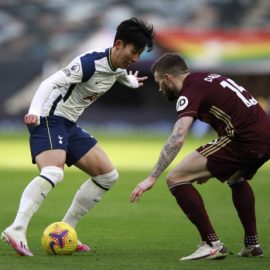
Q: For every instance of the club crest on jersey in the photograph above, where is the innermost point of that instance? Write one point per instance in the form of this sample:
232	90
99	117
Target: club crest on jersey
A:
181	103
60	139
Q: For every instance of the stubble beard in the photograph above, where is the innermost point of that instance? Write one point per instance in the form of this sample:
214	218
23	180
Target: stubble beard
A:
170	95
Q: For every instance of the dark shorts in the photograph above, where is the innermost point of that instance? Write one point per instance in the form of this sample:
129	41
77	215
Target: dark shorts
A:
225	157
55	132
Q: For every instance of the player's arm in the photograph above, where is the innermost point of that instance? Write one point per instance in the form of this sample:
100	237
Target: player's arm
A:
131	80
42	93
168	153
61	78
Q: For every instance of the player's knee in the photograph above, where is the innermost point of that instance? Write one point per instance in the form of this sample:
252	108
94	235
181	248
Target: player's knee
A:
174	178
106	181
52	174
235	181
171	179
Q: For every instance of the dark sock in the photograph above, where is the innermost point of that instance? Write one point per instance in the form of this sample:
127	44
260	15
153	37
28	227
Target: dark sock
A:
190	201
244	202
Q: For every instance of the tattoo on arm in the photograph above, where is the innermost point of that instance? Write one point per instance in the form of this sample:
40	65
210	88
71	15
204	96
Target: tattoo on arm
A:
169	150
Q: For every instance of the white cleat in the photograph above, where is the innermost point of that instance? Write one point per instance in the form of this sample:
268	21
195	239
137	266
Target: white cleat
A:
207	252
251	251
17	240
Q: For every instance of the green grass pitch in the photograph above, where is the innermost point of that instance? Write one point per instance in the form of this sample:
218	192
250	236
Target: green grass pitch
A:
151	234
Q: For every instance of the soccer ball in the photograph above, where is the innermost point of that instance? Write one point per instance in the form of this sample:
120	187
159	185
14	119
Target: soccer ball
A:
59	238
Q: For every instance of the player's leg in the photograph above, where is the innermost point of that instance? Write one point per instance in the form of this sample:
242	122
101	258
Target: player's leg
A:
193	168
51	172
50	163
103	175
87	155
244	202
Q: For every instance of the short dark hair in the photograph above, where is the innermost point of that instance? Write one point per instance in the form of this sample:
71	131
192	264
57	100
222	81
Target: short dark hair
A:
170	63
137	32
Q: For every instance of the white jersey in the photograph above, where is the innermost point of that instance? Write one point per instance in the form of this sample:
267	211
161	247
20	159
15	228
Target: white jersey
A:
69	91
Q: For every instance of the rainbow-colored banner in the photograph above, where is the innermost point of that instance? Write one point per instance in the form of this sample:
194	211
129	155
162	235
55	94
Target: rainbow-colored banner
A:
234	50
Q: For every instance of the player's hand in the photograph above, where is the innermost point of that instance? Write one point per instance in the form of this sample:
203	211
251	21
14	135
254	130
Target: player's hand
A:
31	119
137	192
139	79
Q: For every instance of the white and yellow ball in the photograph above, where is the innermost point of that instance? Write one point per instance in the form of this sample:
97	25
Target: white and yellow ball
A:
59	238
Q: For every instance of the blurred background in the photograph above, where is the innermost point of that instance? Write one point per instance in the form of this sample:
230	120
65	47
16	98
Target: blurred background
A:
38	37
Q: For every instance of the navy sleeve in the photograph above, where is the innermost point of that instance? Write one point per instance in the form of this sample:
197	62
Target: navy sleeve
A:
88	64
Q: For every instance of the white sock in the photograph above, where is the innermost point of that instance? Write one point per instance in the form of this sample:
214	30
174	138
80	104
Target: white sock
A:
32	197
85	199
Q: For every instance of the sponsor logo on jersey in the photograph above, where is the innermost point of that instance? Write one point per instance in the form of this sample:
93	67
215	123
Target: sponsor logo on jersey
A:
91	97
181	103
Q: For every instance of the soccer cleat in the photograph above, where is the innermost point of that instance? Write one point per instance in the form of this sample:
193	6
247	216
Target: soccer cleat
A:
82	247
16	239
205	251
251	251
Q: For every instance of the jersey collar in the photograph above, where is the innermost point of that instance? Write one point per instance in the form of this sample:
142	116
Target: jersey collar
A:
109	52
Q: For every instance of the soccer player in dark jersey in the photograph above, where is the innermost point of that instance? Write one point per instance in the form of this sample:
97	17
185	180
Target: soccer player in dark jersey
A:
242	146
55	137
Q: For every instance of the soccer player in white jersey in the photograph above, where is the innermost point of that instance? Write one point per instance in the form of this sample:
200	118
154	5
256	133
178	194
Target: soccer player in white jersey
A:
56	139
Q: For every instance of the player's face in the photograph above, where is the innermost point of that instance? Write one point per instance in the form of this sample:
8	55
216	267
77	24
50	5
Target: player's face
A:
125	54
166	87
